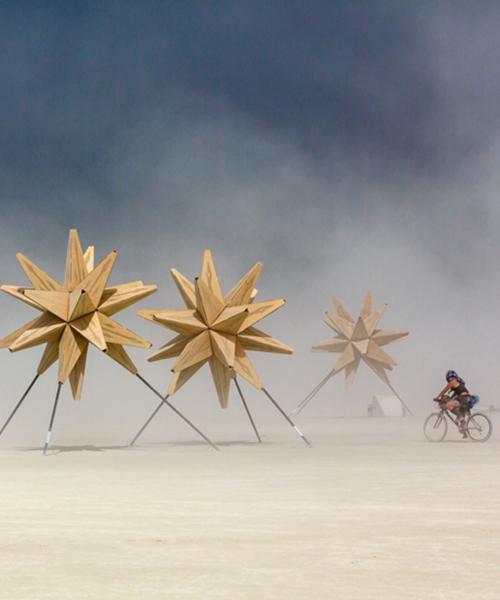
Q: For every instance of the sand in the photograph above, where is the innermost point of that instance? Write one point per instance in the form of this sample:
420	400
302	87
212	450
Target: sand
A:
372	511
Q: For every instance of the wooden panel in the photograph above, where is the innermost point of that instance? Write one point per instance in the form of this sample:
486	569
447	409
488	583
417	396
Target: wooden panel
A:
88	257
253	295
172	349
258	341
77	374
258	311
186	289
119	297
223	347
378	354
182	377
117	353
96	280
183	321
377	368
366	311
80	305
372	321
71	346
11	338
208	304
350	372
359	332
331	345
209	276
348	356
90	328
230	320
222	379
332	325
18	292
54	302
118	334
346	328
386	336
196	350
49	356
341	311
361	346
76	269
45	328
243	290
40	280
244	367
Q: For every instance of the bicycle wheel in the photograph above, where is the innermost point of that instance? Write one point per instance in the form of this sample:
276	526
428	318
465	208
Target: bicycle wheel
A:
479	427
435	427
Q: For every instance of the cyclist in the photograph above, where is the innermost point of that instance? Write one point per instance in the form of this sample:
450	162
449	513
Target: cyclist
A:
456	404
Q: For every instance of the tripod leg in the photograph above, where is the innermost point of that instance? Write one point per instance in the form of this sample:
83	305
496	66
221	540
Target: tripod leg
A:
19	403
147	422
287	417
59	386
164	400
248	411
311	395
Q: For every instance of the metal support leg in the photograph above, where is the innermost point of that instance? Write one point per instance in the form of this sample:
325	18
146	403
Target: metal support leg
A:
19	403
164	401
311	395
59	386
286	417
247	409
401	400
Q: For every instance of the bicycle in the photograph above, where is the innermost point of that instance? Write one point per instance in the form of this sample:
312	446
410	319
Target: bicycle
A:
476	426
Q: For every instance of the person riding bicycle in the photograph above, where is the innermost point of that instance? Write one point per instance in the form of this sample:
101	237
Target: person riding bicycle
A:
456	404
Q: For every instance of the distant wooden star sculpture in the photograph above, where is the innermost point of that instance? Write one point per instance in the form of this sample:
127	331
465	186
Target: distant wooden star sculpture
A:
75	314
357	341
216	329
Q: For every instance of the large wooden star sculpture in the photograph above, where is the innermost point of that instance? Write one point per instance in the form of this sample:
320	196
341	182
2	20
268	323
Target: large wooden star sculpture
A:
359	341
75	314
216	329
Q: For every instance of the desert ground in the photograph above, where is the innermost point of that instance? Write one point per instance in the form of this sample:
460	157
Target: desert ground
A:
371	511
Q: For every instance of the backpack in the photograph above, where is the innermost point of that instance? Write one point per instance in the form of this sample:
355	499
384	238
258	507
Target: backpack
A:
471	402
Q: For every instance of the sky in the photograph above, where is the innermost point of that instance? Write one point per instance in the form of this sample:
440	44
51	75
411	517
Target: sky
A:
348	146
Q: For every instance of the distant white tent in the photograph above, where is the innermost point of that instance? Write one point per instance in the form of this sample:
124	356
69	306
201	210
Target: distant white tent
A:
387	406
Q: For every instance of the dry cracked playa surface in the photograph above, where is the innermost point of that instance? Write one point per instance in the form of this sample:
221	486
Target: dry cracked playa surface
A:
372	511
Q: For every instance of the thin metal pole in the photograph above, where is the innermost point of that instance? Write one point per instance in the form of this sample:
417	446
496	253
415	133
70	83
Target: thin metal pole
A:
147	422
59	386
311	395
247	409
287	417
400	399
164	401
20	402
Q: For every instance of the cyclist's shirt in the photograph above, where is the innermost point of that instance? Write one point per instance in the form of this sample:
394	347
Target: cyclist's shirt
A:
460	389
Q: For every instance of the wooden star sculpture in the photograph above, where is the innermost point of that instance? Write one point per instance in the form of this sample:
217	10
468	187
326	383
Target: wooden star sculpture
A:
359	340
216	329
75	314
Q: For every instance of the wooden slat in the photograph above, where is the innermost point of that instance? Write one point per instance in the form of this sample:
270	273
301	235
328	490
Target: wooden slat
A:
76	269
90	328
244	367
88	257
222	380
182	377
376	353
172	349
95	282
332	325
341	311
372	321
350	372
12	337
40	280
115	333
361	346
71	346
77	374
377	368
385	336
49	356
209	276
366	311
258	341
80	305
258	311
45	328
54	302
196	350
119	297
346	328
243	290
18	293
230	320
118	353
359	332
209	305
348	356
186	289
184	321
223	347
331	345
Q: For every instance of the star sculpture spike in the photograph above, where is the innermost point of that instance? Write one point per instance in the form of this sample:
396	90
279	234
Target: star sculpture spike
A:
359	341
75	314
216	329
